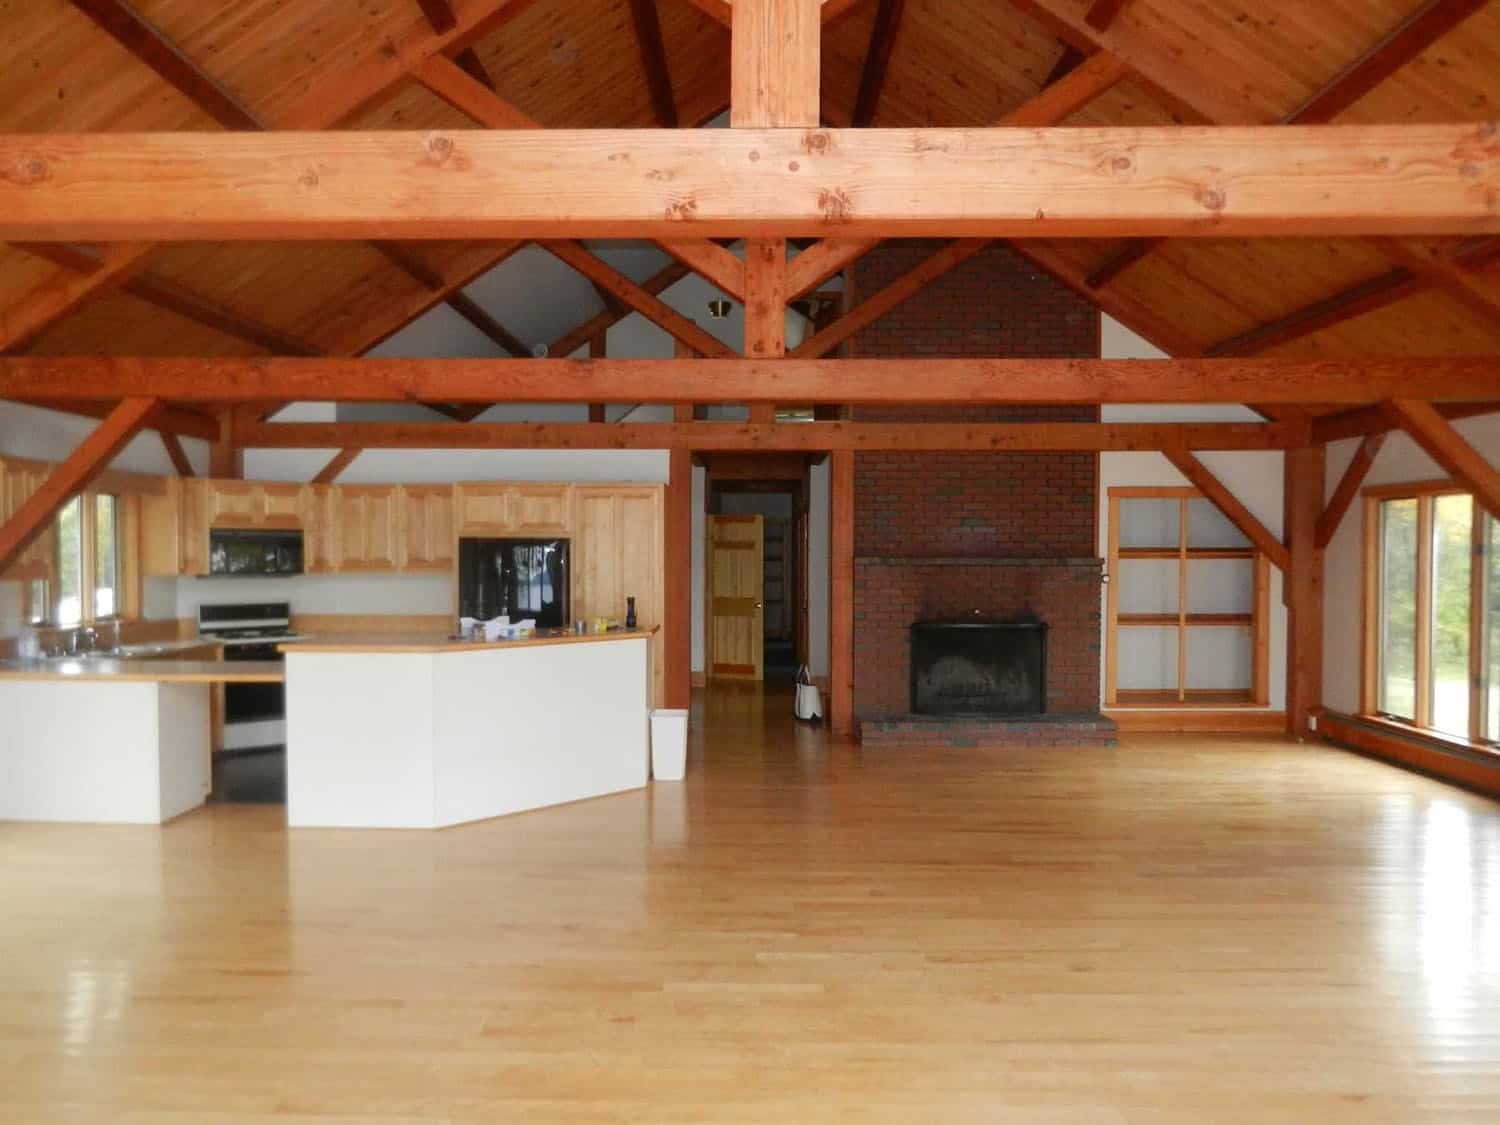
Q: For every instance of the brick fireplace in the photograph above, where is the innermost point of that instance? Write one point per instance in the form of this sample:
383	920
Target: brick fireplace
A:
997	536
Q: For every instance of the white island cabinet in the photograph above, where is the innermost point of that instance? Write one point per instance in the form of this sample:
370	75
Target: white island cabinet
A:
404	733
109	741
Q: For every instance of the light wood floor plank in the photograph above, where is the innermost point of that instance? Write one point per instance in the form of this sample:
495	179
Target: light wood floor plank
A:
1180	929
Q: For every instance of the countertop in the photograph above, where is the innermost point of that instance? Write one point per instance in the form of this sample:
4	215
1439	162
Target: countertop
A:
147	671
439	643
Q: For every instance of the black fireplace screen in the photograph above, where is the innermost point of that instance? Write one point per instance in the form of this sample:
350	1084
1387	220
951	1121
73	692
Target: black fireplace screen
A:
979	668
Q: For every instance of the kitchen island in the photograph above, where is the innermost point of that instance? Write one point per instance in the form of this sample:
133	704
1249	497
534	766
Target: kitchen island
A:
112	741
413	731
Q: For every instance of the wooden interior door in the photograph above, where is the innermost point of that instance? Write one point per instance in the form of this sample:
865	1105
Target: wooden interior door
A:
736	597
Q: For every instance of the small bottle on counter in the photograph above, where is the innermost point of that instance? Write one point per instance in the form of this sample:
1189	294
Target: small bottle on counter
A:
630	613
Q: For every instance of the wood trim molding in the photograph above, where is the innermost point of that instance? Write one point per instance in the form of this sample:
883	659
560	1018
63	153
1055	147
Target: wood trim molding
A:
1477	769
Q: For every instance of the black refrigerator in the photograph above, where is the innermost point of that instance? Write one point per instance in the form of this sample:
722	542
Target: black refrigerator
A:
519	577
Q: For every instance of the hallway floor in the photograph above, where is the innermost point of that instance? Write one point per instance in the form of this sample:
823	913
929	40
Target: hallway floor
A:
1174	930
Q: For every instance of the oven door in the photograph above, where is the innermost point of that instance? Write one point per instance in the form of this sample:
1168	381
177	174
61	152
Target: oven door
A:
263	705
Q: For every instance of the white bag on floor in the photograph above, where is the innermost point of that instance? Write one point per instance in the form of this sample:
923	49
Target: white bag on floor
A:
809	700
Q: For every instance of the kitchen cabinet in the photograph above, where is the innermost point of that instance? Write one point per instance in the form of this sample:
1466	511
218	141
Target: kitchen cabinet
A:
163	538
524	511
252	504
319	530
367	518
617	553
18	480
427	527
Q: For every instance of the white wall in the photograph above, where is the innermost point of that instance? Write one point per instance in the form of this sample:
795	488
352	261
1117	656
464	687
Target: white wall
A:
1255	478
49	435
1400	461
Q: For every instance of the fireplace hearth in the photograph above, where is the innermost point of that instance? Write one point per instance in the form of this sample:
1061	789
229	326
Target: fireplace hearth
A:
979	668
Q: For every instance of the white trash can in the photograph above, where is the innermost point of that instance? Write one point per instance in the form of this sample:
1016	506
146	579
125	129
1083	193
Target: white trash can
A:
668	745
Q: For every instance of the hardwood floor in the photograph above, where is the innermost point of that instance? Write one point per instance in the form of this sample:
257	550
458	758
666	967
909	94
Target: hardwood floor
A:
1182	929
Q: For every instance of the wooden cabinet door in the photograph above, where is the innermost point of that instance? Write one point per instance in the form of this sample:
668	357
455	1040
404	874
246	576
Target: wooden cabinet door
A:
197	503
540	509
282	506
18	480
427	536
162	544
596	578
320	529
368	527
233	503
482	509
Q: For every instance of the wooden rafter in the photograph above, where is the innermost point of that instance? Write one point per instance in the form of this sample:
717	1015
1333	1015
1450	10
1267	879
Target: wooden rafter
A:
324	107
174	298
167	419
615	311
822	260
176	454
723	10
1445	445
1357	300
933	381
142	39
86	462
877	60
654	63
475	314
805	436
775	59
1059	100
336	465
709	260
439	14
1419	31
1034	183
651	307
875	306
1348	489
1214	491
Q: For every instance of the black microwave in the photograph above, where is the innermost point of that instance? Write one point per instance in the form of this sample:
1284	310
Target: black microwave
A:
254	552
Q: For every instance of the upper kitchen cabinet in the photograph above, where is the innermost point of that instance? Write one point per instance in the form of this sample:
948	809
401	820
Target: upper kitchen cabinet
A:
252	504
427	535
514	510
367	522
319	529
18	480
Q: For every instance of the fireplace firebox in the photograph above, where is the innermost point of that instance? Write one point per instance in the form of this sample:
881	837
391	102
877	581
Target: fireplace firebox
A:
979	668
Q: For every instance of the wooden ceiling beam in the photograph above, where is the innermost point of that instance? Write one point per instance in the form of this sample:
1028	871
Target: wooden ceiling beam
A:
324	107
439	14
654	63
92	457
167	420
1059	100
804	436
1357	382
1445	445
822	260
176	454
1016	183
651	307
905	287
1213	490
1367	420
709	260
460	89
877	61
143	40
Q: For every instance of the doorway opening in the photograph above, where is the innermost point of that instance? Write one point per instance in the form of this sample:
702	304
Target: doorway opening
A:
764	594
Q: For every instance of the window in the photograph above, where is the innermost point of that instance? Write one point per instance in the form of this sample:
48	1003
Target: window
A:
1433	640
89	571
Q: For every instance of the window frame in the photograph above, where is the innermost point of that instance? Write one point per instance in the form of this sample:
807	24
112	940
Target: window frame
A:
1426	494
127	590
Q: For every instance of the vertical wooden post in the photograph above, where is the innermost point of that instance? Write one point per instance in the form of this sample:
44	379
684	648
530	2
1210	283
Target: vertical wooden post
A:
598	349
1304	485
677	616
774	64
765	308
226	460
841	600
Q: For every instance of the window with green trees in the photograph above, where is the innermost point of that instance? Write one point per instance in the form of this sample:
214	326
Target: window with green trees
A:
1436	619
88	580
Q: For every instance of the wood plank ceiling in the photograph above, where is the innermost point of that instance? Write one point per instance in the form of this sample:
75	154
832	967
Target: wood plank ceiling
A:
82	65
